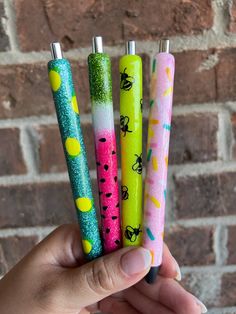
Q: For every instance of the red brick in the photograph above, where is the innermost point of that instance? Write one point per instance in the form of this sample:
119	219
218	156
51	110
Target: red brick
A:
228	289
231	245
11	158
38	204
193	138
225	71
192	83
25	90
232	15
205	195
184	244
13	249
51	155
75	22
4	41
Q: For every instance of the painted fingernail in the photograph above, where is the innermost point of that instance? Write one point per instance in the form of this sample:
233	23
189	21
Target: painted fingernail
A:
202	306
136	261
178	276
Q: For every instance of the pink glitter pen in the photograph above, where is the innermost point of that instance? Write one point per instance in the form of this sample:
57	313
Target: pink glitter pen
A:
159	127
105	145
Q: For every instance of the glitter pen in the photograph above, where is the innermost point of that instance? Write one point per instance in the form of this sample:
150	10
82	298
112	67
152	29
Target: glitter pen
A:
60	77
105	144
159	127
131	145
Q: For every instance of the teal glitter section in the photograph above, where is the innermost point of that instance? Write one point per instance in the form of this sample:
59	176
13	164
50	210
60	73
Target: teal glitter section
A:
69	124
100	78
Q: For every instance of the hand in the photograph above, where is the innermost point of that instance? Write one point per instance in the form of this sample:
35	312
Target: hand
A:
53	278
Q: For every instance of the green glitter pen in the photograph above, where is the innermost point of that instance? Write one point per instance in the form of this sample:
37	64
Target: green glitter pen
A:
60	77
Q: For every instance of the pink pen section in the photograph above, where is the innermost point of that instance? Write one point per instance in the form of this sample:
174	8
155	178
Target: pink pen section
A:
108	189
157	154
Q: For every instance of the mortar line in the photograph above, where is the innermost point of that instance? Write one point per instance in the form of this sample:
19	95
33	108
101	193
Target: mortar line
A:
220	244
26	231
11	25
229	220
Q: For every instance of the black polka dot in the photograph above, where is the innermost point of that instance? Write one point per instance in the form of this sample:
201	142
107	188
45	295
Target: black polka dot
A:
106	167
117	242
102	180
115	178
108	194
107	230
98	163
113	152
117	205
114	217
103	216
102	139
104	207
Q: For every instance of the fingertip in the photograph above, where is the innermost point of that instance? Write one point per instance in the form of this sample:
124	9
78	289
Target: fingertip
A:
169	268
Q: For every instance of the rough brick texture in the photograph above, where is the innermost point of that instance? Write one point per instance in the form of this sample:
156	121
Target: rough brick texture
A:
184	244
232	20
4	41
75	22
205	195
231	245
228	288
11	159
12	249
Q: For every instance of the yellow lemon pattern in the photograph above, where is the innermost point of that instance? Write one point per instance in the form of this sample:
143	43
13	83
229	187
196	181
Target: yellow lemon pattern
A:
74	104
87	246
72	146
55	80
84	204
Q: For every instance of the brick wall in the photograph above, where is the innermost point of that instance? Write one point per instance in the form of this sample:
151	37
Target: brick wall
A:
34	191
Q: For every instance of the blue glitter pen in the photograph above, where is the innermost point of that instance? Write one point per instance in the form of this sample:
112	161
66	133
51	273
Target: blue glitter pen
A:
60	77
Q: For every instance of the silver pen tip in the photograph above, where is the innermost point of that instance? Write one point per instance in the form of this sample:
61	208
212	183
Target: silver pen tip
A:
56	50
164	45
130	47
97	46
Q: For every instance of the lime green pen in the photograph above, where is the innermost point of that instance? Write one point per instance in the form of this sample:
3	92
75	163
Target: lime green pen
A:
131	145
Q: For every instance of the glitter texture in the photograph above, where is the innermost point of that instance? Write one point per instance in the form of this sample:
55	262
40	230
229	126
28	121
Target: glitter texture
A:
105	146
74	149
100	78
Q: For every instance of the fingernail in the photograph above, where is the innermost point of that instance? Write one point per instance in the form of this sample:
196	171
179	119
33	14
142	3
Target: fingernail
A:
178	276
136	261
202	306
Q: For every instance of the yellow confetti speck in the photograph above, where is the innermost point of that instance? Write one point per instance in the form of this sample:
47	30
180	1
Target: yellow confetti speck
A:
168	72
168	91
84	204
72	146
87	246
154	121
166	161
74	104
150	132
155	201
154	163
55	80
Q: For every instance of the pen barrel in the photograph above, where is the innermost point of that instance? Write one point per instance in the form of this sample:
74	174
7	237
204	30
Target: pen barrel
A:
131	148
105	148
157	154
61	82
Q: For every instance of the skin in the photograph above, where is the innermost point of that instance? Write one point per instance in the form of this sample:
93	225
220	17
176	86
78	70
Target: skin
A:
54	279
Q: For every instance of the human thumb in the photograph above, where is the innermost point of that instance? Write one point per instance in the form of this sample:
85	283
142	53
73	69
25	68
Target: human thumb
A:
91	282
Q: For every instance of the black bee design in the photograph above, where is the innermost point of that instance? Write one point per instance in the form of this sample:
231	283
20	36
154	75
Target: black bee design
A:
124	121
126	81
124	192
141	104
132	233
138	164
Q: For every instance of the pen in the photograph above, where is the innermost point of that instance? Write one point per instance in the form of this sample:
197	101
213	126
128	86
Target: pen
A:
105	144
60	77
131	145
159	127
